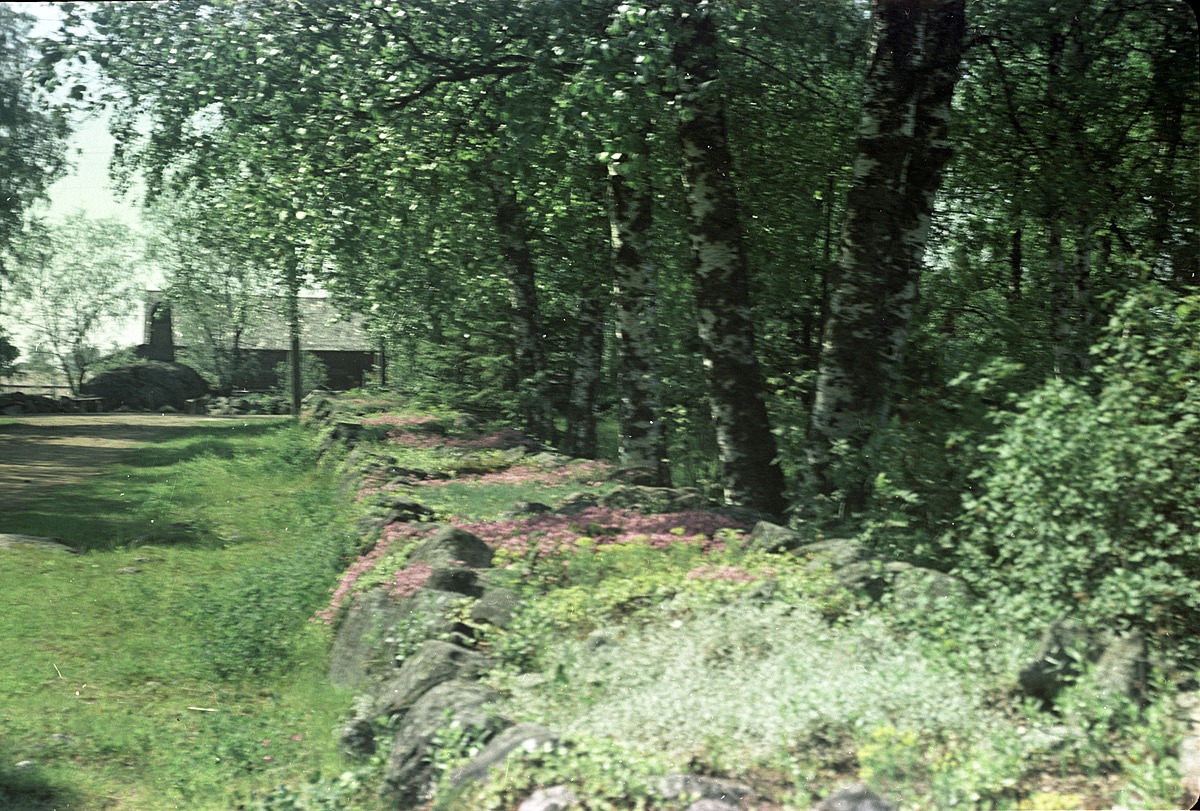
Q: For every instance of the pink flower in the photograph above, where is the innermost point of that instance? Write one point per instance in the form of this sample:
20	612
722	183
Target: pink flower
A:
552	532
362	565
409	580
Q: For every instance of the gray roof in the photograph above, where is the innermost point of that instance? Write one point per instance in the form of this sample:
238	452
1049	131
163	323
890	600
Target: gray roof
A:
322	327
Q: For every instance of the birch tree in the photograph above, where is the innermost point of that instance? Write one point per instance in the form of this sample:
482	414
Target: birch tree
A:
750	473
902	150
72	280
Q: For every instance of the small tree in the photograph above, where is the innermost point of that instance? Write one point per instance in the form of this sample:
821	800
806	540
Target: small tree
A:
71	279
1088	501
216	292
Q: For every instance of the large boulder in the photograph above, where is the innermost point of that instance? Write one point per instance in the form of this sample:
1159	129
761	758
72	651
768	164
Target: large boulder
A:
656	499
433	663
14	403
703	789
464	704
527	737
768	537
1119	662
147	385
368	644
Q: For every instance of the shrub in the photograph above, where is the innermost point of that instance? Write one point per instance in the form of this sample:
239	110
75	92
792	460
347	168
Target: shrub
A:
1088	499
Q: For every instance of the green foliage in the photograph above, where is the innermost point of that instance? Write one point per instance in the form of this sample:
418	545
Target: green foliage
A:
251	626
1088	501
33	148
611	776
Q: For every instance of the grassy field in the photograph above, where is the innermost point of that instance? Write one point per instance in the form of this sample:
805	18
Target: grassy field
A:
171	665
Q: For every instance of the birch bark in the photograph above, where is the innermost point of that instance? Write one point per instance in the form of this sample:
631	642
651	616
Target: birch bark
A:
750	472
643	443
902	150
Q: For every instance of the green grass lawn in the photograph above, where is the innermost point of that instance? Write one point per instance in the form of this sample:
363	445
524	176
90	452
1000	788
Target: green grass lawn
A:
172	665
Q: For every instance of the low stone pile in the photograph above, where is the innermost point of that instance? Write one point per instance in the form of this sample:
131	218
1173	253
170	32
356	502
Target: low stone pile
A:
147	385
245	404
410	692
15	403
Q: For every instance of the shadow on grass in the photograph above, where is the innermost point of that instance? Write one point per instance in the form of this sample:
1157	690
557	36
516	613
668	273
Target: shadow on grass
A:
27	789
106	512
192	442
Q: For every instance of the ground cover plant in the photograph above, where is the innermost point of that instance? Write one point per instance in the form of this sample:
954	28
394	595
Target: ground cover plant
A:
659	643
171	664
653	642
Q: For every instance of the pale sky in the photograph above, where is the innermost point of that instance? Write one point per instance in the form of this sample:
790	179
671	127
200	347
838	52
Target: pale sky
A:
87	187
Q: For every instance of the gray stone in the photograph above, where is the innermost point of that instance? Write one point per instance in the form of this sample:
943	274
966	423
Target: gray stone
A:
856	797
363	649
1064	648
457	579
656	499
433	663
408	772
525	736
768	537
689	786
866	577
577	503
452	546
837	552
711	805
547	459
522	508
1122	667
496	607
919	589
555	798
399	509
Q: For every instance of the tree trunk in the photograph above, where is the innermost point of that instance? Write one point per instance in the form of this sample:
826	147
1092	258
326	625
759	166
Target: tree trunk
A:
580	439
750	473
902	150
643	442
532	397
1016	273
293	315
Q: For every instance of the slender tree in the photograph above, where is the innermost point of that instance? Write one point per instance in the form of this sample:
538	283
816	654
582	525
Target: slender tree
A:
643	441
750	472
73	279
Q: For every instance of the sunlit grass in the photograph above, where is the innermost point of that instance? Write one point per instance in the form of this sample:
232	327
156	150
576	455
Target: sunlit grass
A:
112	699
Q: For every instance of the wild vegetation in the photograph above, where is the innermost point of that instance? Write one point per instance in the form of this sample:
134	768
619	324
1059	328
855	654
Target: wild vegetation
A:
218	565
172	663
923	276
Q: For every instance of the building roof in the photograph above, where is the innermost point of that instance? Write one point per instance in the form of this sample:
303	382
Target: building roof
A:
322	327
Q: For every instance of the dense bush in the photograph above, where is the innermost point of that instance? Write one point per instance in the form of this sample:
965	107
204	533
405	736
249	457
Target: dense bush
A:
1089	498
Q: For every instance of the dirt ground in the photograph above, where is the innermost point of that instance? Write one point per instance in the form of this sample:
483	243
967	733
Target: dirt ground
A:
43	451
